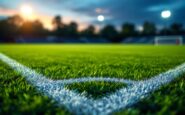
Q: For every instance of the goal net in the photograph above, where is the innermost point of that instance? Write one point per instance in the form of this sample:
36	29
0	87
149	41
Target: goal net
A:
176	40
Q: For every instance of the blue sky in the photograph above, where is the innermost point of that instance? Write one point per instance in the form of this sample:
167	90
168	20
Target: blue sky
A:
115	11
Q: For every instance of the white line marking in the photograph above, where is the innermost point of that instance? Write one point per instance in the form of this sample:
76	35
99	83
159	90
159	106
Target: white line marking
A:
88	79
79	104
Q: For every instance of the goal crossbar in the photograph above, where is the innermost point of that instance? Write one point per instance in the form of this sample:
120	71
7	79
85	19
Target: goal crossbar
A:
178	39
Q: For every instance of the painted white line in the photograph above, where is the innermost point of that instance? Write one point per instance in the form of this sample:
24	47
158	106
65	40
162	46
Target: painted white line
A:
79	104
97	79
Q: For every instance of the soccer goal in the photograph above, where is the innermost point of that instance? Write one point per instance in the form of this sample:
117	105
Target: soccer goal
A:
162	40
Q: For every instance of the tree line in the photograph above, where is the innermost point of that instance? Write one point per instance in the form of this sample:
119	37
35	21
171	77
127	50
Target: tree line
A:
15	26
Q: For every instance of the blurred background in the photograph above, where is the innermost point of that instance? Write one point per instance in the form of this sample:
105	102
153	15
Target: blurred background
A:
92	21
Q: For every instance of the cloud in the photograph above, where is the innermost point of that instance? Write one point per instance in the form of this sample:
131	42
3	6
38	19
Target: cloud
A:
136	11
7	12
45	19
115	11
172	6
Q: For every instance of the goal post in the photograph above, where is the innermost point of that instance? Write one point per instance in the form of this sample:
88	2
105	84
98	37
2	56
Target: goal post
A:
162	40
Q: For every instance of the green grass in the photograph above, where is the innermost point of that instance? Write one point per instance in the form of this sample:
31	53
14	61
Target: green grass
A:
95	89
168	100
136	62
18	97
72	61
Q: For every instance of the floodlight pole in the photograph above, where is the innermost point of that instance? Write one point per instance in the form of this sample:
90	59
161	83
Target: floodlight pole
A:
166	27
101	25
166	21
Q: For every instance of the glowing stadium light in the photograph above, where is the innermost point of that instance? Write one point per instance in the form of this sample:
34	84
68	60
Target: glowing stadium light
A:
101	18
26	11
166	14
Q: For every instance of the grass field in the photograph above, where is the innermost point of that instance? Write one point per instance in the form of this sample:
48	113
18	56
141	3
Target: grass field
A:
135	62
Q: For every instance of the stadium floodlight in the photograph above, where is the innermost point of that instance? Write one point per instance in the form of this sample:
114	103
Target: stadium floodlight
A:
161	40
101	18
166	14
27	12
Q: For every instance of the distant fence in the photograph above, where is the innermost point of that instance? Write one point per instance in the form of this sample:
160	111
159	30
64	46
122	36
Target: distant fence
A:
61	40
50	39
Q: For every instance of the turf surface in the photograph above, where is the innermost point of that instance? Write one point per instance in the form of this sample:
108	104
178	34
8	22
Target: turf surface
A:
18	97
95	89
72	61
122	61
168	100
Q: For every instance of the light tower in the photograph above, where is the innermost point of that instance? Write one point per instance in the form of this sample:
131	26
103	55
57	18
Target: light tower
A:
166	14
101	19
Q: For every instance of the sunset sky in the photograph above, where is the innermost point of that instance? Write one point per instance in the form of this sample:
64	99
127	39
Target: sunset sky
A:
85	12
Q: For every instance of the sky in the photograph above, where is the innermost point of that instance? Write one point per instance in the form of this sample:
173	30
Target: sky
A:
85	12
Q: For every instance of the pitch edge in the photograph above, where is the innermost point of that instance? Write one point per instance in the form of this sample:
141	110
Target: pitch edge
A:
79	104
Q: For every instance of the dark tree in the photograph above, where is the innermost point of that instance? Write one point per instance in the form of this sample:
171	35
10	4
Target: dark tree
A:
57	22
26	29
176	29
165	31
109	32
4	30
32	29
38	28
128	29
89	32
72	30
149	28
16	21
58	26
9	28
